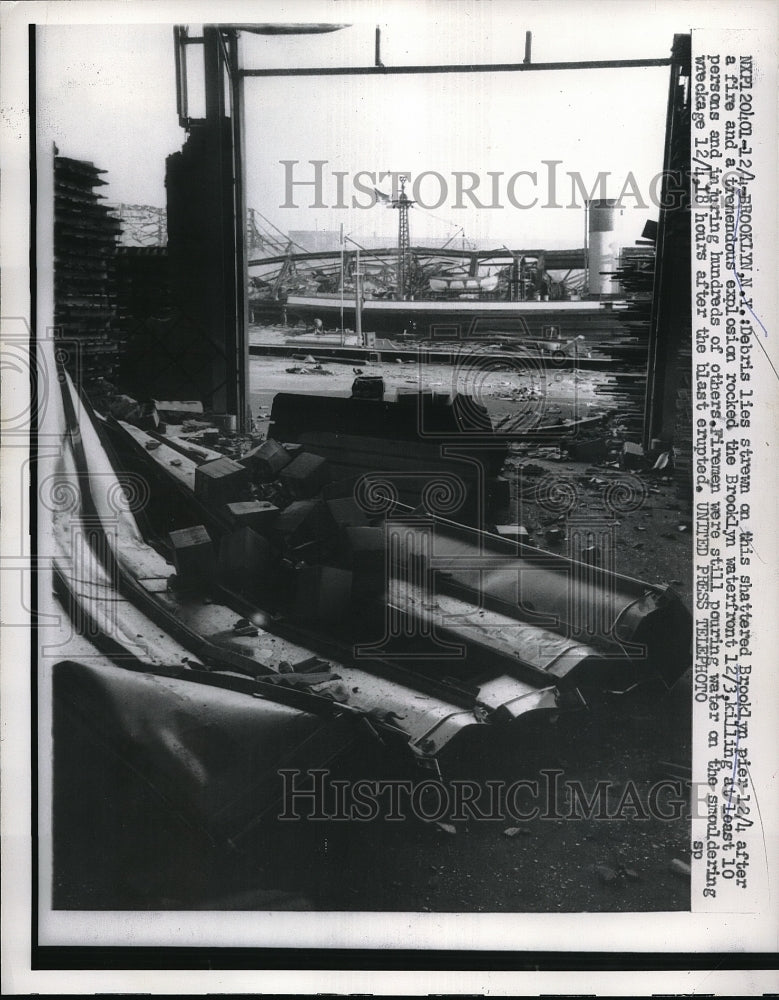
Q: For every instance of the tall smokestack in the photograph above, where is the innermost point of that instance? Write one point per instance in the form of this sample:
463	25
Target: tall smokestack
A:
602	245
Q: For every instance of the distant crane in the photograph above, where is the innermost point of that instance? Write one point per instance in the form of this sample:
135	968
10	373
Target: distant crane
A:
402	203
142	225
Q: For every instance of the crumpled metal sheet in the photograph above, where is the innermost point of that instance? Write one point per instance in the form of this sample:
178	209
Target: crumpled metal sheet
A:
208	755
630	621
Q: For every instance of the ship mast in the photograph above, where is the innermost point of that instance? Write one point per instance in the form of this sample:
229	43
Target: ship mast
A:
402	204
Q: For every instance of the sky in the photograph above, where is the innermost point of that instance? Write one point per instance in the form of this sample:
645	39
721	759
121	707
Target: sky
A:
106	93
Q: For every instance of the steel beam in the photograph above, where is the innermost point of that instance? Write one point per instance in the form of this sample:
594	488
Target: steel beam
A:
464	68
555	259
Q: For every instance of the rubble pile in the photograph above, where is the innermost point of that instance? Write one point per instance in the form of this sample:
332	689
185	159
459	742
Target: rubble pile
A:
281	532
606	477
292	532
284	512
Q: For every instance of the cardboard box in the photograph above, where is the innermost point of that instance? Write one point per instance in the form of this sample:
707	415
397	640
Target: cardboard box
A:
259	515
303	521
266	461
305	476
633	456
193	555
220	481
246	561
176	411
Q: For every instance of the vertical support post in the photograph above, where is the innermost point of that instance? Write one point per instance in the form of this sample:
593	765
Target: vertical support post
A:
671	318
217	253
214	81
241	264
180	53
206	227
342	284
401	253
358	300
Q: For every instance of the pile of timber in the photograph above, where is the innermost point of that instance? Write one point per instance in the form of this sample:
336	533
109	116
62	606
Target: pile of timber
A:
85	241
626	392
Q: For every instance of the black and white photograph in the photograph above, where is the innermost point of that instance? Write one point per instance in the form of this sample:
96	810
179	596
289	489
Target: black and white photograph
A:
382	530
